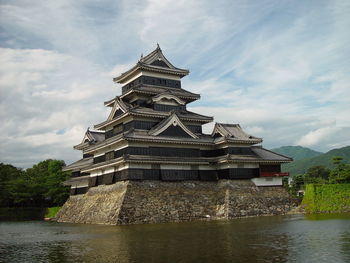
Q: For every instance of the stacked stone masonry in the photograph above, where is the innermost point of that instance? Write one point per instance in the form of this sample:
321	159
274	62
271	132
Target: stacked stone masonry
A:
139	202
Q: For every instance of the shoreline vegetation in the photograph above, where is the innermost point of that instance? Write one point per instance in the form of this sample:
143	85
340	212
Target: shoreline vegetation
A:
51	212
39	186
327	198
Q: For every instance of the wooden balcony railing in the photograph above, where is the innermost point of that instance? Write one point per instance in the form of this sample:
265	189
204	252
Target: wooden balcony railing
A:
273	174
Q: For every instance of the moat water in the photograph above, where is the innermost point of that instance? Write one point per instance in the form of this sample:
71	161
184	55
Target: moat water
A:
297	238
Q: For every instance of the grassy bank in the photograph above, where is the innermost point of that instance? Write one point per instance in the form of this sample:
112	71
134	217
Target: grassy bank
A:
327	198
52	211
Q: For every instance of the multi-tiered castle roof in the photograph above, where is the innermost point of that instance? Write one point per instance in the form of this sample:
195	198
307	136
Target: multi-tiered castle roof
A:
150	135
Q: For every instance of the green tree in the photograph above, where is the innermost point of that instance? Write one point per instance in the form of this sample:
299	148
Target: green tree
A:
8	173
57	192
40	185
296	184
341	173
317	175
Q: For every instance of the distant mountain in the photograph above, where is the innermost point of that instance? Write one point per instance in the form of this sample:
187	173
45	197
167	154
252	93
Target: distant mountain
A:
301	166
296	152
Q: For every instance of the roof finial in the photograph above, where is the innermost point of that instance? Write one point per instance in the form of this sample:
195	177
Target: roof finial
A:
158	47
141	56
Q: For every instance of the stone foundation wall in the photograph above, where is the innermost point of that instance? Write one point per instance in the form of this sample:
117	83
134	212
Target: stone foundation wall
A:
137	202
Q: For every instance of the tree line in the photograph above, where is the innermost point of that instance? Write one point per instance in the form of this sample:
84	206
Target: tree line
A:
322	175
39	186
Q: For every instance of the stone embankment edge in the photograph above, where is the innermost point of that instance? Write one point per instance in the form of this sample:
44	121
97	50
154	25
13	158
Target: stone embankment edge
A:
140	202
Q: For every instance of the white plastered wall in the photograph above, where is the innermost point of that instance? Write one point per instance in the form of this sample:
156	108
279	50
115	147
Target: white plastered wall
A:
237	165
267	181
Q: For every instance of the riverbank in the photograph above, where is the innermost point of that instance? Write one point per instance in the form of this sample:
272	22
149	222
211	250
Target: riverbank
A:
326	198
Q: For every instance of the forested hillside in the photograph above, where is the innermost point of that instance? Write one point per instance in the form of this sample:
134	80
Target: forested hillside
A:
297	152
326	159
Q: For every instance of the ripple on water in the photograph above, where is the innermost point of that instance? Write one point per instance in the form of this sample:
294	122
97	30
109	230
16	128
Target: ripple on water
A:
262	239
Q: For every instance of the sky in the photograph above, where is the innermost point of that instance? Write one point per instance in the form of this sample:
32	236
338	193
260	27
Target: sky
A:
281	69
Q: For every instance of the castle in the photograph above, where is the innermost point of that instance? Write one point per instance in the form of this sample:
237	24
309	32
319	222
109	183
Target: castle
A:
150	138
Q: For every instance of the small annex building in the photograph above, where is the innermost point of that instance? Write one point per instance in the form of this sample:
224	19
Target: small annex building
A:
150	135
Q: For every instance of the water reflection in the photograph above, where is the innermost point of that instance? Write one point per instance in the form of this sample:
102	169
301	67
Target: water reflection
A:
190	242
263	239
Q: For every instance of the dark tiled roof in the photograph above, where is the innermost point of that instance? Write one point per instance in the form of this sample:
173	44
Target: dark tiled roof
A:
124	105
143	135
234	132
147	63
79	165
269	155
182	114
92	137
155	90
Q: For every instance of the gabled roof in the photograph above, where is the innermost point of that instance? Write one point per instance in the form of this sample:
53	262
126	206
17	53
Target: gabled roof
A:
110	103
168	96
234	132
157	55
90	137
155	61
172	120
118	104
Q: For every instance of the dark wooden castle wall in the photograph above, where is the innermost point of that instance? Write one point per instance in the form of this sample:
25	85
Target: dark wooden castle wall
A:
152	81
164	107
178	152
169	175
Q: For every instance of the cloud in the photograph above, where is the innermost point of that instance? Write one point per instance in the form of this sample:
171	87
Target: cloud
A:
46	92
329	137
314	137
278	69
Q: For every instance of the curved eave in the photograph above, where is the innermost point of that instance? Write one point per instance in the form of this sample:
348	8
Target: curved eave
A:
141	66
232	140
188	98
105	143
110	103
108	122
157	115
81	146
78	165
